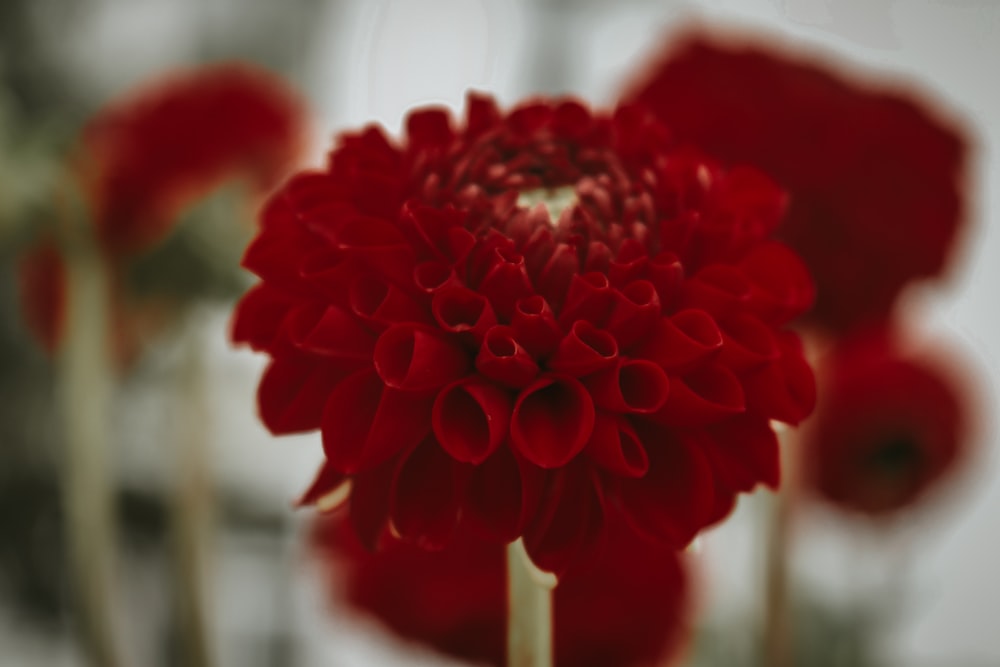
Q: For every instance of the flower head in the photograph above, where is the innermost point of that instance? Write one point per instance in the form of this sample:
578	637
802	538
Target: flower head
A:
147	157
456	600
889	427
525	321
873	175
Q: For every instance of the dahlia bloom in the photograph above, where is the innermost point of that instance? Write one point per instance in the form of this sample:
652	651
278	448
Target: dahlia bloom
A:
146	158
873	174
889	427
629	608
525	321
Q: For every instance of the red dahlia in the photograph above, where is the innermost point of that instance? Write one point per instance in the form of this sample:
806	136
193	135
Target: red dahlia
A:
889	427
873	174
527	321
630	608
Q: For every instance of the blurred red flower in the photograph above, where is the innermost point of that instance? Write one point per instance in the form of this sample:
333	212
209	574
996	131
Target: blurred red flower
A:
631	607
143	160
873	175
525	320
889	426
147	157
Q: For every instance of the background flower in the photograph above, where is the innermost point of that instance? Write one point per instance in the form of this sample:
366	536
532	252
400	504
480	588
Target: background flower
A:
890	426
874	175
525	320
631	607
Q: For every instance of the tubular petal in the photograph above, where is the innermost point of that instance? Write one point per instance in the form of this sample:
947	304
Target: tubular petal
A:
365	422
718	289
552	420
379	304
535	326
667	275
683	341
415	357
748	344
425	502
259	316
471	419
506	282
631	385
702	397
569	522
781	287
635	311
502	495
293	393
460	310
674	499
589	298
584	350
615	445
431	276
501	358
335	334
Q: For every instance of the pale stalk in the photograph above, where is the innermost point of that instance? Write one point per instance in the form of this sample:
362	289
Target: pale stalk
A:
192	507
529	612
85	397
778	636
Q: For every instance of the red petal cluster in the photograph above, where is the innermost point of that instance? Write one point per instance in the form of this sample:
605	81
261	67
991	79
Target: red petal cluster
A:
630	608
147	157
874	178
469	359
889	426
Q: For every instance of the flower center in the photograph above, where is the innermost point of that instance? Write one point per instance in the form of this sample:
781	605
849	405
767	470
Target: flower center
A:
555	200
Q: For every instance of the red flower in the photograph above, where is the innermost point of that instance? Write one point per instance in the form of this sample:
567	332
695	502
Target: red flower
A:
630	608
146	158
888	427
467	354
873	176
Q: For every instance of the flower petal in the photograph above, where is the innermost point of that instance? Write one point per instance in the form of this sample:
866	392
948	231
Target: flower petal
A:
631	385
501	358
415	357
583	350
552	420
705	396
502	494
615	445
424	505
471	419
683	341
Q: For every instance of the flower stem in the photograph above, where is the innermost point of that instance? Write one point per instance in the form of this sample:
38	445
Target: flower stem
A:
85	396
778	635
192	503
529	613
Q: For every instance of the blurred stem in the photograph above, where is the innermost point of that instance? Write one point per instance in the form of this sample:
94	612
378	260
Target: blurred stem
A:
85	395
778	636
192	504
529	613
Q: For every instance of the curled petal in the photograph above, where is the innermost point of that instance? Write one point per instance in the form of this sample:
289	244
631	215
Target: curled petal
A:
667	275
336	333
502	494
428	128
379	245
675	498
460	310
589	298
624	270
415	357
506	282
471	419
631	385
785	389
747	344
365	422
503	359
432	276
743	452
425	503
293	392
705	396
718	289
635	311
535	326
583	350
552	420
369	503
570	520
682	341
557	273
781	287
328	490
616	446
257	320
379	303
